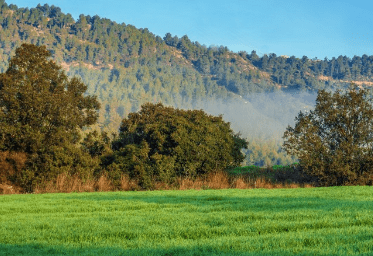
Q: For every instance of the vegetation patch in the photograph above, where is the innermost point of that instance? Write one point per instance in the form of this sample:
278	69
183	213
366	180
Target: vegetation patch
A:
312	221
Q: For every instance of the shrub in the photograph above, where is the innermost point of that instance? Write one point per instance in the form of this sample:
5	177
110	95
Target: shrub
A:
161	143
11	164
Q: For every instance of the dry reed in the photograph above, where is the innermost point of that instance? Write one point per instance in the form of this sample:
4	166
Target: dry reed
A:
7	189
66	184
215	180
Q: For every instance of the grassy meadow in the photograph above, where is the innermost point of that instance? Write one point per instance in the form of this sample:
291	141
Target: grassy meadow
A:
300	221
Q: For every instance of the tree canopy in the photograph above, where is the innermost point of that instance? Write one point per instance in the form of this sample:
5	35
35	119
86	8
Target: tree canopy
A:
126	66
163	142
41	110
39	105
334	142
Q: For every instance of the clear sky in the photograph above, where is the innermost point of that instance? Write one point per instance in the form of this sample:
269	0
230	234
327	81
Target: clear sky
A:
317	28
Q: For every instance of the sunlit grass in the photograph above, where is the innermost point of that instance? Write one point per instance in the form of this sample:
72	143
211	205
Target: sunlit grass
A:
303	221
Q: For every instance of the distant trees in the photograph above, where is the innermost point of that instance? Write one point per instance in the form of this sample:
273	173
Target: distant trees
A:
161	143
334	142
42	113
126	66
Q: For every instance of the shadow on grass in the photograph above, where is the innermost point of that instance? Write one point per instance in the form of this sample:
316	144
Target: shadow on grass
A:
36	250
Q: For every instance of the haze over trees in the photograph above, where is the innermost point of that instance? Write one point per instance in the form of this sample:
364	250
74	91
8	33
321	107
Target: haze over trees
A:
127	67
42	114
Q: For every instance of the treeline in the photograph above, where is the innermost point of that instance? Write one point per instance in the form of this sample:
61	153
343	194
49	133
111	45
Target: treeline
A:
42	113
127	67
313	73
102	42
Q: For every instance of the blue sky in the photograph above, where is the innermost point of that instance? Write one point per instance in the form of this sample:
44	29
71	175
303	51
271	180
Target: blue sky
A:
315	28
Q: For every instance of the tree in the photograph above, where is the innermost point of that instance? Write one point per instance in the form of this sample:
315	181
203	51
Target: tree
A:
40	108
96	144
334	142
161	143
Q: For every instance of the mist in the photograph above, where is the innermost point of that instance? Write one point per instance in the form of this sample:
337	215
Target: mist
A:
264	116
261	115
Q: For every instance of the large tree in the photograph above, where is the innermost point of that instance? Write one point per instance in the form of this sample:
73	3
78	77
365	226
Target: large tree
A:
40	108
334	142
160	143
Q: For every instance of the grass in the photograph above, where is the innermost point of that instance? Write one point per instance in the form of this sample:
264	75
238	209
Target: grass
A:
302	221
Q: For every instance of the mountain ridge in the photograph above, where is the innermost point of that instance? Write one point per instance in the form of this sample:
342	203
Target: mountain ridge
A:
126	67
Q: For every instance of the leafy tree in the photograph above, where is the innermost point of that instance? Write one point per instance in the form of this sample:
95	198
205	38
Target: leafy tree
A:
40	105
41	109
160	143
331	140
96	144
90	47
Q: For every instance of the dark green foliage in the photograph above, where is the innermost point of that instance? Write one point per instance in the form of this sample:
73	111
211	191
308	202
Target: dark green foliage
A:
296	73
333	142
46	167
293	173
42	113
40	107
126	66
96	144
277	174
161	143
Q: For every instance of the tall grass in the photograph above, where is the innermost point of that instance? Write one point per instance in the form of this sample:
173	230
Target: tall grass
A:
242	177
314	221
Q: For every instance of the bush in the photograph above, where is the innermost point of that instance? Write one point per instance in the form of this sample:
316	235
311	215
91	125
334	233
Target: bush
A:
70	160
161	143
11	164
294	173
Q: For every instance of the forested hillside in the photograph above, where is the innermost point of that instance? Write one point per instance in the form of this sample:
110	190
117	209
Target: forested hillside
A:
126	67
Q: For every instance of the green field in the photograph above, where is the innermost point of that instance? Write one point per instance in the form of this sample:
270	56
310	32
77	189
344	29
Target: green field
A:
304	221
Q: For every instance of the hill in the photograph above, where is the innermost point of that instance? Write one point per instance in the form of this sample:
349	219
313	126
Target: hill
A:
126	67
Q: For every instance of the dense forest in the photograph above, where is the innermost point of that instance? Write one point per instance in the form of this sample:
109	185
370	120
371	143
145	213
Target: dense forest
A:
125	67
